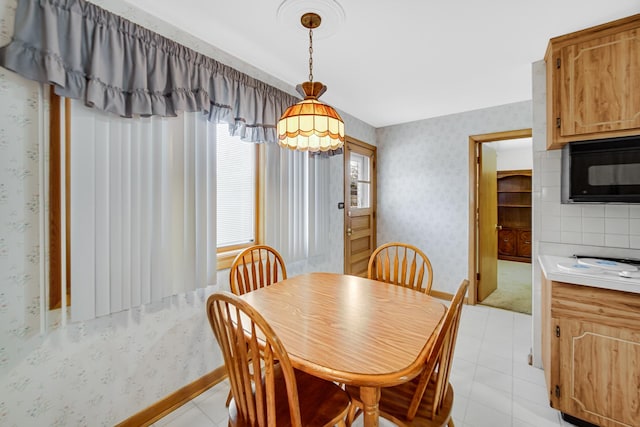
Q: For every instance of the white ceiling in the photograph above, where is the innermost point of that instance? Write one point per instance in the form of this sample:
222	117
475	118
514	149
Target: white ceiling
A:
397	61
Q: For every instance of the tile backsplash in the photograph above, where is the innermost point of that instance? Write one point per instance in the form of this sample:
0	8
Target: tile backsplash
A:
606	225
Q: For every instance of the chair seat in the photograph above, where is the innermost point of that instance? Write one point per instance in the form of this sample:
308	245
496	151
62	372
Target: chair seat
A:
318	400
394	402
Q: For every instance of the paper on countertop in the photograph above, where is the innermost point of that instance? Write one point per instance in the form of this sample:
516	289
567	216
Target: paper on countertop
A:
607	264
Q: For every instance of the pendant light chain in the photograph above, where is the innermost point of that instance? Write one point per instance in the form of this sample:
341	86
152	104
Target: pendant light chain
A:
310	55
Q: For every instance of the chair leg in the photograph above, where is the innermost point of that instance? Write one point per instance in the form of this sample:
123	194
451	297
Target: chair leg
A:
354	412
450	423
229	396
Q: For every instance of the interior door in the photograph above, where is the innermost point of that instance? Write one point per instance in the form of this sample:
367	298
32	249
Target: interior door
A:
360	206
487	222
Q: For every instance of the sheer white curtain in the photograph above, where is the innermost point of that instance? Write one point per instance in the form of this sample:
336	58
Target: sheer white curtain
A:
297	203
319	205
142	209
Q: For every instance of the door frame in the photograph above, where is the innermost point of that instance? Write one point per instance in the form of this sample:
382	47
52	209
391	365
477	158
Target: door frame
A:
352	142
474	168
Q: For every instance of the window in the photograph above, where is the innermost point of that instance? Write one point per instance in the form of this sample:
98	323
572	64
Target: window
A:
360	181
238	184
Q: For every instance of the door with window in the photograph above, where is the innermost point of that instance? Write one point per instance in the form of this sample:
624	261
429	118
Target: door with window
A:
360	206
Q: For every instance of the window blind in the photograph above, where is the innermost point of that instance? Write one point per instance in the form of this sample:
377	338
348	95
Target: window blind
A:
236	189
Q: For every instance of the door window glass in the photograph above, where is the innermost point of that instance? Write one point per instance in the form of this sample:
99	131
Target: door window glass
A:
360	181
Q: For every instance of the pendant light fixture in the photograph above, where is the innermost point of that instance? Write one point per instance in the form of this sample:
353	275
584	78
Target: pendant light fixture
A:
311	125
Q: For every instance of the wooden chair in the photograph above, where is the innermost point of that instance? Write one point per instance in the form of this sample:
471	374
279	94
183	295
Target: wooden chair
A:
256	267
401	264
426	400
266	393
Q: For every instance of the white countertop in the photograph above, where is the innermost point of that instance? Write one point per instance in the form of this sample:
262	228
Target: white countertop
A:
605	280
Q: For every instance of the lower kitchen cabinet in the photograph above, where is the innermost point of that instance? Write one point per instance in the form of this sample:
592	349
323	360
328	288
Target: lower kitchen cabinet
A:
591	352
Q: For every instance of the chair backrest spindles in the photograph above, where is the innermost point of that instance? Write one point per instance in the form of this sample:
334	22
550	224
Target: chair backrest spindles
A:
440	359
256	267
252	352
401	264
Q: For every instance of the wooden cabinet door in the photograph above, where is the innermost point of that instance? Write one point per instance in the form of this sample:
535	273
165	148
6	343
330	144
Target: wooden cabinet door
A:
524	243
593	77
507	241
591	353
601	79
599	373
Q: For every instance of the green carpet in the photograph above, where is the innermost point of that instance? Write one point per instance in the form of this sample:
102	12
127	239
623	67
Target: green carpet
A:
514	287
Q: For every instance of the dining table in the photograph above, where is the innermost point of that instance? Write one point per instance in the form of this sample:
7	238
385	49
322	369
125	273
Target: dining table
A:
352	330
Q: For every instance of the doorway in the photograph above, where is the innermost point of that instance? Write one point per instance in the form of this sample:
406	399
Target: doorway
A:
500	229
360	206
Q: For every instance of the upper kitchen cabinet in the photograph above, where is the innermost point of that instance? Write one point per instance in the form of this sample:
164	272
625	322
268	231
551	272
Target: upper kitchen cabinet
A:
593	83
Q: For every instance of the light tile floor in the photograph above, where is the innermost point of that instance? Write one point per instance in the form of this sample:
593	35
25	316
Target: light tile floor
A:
493	384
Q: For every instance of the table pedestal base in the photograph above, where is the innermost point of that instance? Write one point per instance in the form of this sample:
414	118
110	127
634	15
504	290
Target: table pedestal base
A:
370	396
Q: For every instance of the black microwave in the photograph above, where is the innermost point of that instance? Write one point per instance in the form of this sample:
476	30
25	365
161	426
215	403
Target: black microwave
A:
601	171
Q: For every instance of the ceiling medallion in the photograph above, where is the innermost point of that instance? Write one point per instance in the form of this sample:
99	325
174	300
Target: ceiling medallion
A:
290	11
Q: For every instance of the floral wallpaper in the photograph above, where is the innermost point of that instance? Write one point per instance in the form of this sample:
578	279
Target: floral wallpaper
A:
102	371
19	210
423	184
93	373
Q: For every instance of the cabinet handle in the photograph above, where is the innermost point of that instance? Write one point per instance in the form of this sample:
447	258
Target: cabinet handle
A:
498	227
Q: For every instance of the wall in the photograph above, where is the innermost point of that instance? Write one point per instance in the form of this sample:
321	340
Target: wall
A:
102	371
423	184
515	154
599	230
